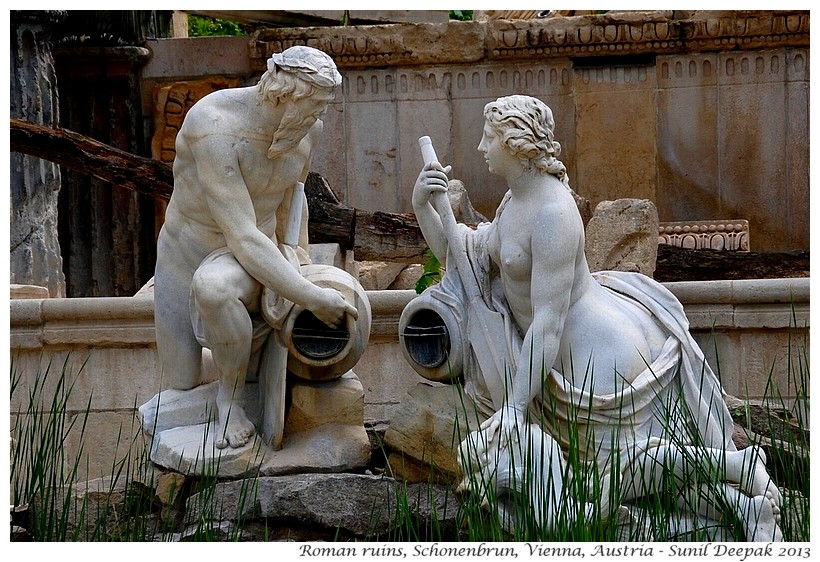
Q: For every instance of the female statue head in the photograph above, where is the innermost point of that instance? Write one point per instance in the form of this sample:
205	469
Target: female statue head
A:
525	126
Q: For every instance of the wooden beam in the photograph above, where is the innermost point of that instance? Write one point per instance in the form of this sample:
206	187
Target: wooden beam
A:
372	236
93	158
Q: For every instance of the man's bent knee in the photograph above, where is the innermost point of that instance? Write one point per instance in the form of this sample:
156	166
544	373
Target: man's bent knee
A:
210	289
214	287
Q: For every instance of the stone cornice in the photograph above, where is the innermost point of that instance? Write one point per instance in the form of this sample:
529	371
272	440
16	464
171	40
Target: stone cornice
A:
377	45
626	33
617	33
129	321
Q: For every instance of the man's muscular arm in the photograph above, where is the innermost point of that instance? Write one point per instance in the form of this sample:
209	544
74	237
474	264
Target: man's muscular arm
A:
227	196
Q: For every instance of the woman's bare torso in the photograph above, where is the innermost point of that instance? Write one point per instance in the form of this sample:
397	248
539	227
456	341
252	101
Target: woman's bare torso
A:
600	333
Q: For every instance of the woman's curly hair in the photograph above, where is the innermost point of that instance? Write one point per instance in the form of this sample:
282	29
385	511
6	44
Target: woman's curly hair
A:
525	125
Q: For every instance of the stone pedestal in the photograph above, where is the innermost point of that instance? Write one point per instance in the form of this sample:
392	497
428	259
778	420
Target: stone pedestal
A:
324	431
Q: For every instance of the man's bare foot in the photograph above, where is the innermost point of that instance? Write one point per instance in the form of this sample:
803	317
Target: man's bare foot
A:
234	428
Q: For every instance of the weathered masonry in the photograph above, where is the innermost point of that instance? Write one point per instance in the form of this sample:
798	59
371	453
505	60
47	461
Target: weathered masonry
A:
705	116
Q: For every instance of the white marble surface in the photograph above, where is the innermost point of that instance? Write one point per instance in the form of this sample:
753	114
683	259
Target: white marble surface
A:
232	255
593	361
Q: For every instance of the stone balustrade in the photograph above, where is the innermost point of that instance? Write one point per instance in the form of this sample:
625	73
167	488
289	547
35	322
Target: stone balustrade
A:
748	327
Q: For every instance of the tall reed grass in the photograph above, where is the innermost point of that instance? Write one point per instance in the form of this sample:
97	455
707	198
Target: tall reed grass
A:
124	506
56	504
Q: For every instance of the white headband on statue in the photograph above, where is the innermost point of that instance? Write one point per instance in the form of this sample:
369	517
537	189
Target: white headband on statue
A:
311	64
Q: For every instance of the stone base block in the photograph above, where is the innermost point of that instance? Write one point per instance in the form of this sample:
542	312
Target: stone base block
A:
426	430
324	431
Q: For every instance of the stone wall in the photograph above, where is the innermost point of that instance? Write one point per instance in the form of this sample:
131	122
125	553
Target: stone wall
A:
706	116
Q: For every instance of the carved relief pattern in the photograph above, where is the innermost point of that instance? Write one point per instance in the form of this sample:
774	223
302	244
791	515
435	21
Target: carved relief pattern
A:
604	35
613	75
698	70
172	102
477	82
346	51
367	46
749	29
734	67
588	38
710	235
608	34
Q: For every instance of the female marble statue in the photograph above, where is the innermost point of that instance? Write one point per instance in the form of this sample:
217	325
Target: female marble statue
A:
603	362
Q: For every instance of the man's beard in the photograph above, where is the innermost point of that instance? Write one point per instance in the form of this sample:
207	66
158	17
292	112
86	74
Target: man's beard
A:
292	129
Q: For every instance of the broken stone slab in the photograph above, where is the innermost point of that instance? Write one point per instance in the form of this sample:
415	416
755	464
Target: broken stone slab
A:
407	278
426	429
28	291
382	275
312	404
357	505
191	449
350	502
460	202
169	494
378	275
173	408
328	448
622	235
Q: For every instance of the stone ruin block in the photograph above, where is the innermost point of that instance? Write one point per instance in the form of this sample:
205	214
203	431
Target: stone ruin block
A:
621	236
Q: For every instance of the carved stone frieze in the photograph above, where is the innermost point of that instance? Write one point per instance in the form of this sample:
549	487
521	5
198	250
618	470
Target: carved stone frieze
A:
624	33
380	45
613	33
435	83
710	235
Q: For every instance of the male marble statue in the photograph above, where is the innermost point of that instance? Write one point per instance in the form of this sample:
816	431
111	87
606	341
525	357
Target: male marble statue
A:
239	155
602	362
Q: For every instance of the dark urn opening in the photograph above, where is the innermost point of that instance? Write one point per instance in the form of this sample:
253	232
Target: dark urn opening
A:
316	340
426	339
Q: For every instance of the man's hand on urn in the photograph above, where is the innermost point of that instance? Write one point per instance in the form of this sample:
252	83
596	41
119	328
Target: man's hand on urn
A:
332	307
